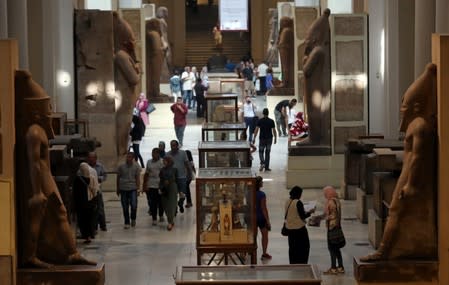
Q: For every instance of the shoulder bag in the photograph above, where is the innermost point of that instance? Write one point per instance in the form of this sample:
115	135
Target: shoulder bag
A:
285	232
150	108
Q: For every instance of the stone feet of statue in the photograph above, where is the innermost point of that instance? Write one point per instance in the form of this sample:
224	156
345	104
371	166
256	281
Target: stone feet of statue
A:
377	256
77	259
304	141
37	263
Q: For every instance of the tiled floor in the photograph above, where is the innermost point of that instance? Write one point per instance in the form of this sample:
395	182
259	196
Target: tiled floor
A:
150	254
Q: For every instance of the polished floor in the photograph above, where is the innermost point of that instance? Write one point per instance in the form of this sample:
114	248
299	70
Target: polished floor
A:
150	254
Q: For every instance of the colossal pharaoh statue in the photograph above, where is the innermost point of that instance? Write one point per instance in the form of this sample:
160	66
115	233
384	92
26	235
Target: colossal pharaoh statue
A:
45	236
410	230
162	16
317	80
272	49
286	50
127	76
154	55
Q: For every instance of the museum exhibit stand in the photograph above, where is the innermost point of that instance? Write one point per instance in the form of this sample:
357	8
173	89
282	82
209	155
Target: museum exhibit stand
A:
249	274
226	216
221	108
221	131
224	154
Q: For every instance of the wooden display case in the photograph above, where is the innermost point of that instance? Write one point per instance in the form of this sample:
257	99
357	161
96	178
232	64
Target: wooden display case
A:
299	274
221	108
224	154
226	216
222	131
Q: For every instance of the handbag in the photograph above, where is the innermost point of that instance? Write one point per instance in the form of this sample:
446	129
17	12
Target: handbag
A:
150	108
335	237
284	231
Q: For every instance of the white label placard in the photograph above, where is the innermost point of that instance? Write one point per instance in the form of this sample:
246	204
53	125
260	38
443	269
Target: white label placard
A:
130	3
307	3
233	15
98	4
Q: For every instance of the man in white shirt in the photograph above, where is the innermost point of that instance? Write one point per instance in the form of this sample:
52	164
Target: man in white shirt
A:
249	116
187	79
262	75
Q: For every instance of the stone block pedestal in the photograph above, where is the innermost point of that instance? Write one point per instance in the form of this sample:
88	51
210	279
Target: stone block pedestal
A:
375	228
364	203
63	275
396	272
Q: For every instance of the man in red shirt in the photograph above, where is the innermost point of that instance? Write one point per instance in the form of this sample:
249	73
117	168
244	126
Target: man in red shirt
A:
180	110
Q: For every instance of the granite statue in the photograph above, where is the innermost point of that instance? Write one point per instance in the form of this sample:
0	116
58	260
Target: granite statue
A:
127	76
317	81
45	237
285	45
272	49
155	57
410	231
162	16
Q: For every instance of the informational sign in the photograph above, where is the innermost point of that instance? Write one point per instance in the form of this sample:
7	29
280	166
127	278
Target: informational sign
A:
233	15
130	4
98	4
307	3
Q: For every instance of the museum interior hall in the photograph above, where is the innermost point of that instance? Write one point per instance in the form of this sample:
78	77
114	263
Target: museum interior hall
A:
224	142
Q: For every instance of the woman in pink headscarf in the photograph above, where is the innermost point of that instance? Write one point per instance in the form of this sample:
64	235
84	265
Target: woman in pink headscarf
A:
333	223
141	107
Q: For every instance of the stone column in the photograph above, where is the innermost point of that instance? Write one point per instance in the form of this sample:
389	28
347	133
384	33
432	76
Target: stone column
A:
17	28
3	19
424	27
441	17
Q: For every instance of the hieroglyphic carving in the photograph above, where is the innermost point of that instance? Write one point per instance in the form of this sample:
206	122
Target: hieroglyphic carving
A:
349	100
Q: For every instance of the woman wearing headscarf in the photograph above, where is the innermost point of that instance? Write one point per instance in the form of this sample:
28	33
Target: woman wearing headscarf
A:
298	237
332	213
141	107
85	188
137	133
168	190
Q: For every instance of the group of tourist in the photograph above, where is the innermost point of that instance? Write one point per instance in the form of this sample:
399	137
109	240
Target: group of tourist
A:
258	79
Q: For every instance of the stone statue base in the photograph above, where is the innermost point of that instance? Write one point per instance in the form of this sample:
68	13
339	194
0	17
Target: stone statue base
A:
281	91
309	150
63	275
396	271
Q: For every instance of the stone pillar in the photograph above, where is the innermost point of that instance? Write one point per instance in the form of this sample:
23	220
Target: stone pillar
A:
3	19
424	27
441	17
17	28
440	56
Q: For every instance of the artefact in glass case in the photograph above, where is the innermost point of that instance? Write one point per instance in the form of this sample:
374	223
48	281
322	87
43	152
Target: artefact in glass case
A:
221	108
224	154
299	274
222	131
226	215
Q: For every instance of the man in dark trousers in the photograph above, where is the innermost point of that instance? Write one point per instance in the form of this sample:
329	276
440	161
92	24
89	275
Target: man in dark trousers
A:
281	117
267	136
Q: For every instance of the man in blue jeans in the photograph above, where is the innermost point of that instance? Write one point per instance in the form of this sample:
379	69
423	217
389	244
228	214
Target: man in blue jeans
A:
267	136
128	181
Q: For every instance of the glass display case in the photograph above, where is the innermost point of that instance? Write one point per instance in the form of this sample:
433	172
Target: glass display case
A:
298	274
224	154
226	221
222	131
221	108
233	85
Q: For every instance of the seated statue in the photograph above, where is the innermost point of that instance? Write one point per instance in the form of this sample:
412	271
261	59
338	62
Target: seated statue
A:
410	230
44	233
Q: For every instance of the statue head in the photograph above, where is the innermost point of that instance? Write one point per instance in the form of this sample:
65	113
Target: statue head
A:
285	22
162	12
318	33
33	105
420	98
123	35
153	25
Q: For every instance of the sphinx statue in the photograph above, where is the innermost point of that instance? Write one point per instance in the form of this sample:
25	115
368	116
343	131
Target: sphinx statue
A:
45	237
154	56
410	230
127	76
317	81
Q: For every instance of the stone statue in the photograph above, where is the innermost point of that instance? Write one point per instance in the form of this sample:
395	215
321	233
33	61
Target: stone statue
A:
127	76
317	80
285	45
45	236
154	56
410	230
162	16
272	49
